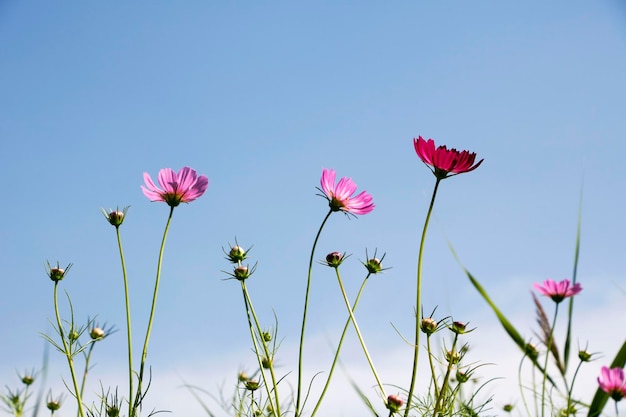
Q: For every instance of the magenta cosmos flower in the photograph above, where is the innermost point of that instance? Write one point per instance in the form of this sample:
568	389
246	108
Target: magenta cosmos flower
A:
444	162
183	187
611	381
340	196
558	291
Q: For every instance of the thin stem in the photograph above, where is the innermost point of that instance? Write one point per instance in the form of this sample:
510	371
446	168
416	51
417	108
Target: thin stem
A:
128	327
68	353
446	378
419	301
521	386
341	339
545	368
86	371
358	333
304	314
250	309
144	353
432	366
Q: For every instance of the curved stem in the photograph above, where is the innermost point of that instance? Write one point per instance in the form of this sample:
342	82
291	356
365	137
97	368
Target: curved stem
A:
250	309
521	386
128	327
304	314
358	333
68	353
419	301
144	354
341	339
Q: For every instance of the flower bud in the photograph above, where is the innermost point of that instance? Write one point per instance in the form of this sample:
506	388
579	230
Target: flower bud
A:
236	254
508	408
452	356
458	327
584	356
241	273
374	265
428	325
28	379
115	217
462	376
334	259
242	377
56	273
266	362
96	333
53	405
251	385
113	411
73	335
267	336
394	402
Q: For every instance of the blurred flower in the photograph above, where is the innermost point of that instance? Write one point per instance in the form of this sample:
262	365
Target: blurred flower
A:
115	217
56	273
611	381
340	196
183	187
53	404
444	162
394	402
251	385
97	333
558	291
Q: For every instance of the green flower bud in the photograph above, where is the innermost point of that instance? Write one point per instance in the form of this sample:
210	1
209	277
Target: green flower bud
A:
508	408
251	385
241	273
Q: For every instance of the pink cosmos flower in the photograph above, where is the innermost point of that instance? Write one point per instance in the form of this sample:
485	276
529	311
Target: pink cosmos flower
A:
611	381
444	162
340	196
558	291
183	187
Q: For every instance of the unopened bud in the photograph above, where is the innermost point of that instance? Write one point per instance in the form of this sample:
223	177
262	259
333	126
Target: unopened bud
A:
96	333
251	385
334	259
428	325
394	402
458	327
584	356
236	254
241	272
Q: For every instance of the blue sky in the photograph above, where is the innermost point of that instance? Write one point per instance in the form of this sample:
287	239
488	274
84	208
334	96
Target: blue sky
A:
260	97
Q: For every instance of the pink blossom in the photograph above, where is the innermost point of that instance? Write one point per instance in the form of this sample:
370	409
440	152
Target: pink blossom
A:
611	381
443	161
183	187
558	291
340	196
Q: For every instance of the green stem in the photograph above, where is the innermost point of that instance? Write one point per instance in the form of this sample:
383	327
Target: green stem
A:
68	353
358	333
444	385
128	327
86	371
304	314
419	301
545	367
341	339
144	354
521	386
259	331
432	366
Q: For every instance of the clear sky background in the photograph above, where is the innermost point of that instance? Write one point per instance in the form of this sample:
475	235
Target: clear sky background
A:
260	96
